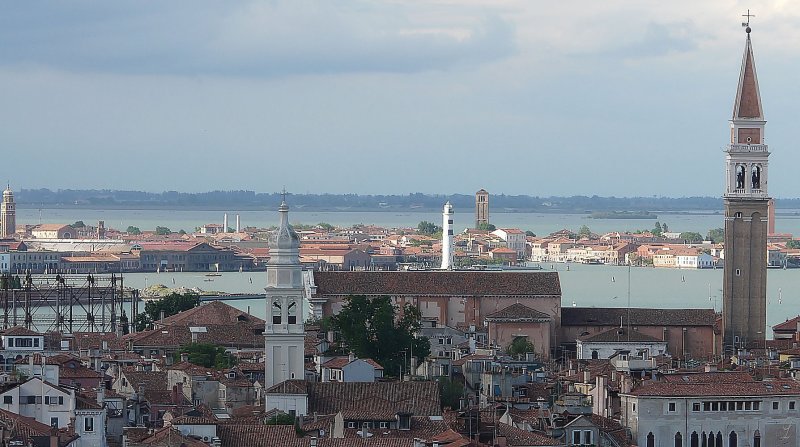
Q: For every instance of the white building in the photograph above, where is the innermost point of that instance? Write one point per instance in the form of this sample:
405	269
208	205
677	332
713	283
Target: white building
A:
608	343
515	239
351	369
47	403
284	333
713	409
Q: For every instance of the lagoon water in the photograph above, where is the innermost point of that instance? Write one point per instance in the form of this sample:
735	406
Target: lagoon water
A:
788	221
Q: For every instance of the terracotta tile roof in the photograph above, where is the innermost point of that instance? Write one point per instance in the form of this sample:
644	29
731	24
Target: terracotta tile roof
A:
259	435
708	377
610	316
518	437
619	334
726	389
340	362
19	331
240	335
152	380
27	430
455	283
789	325
295	386
94	340
518	312
374	401
168	437
212	312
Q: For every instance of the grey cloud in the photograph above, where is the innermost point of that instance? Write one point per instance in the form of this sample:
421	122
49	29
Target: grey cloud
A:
258	39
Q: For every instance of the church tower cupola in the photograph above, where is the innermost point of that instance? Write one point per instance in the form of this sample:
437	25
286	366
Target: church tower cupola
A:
8	214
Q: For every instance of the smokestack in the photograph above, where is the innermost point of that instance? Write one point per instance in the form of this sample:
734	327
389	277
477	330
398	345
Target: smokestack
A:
447	237
237	223
225	223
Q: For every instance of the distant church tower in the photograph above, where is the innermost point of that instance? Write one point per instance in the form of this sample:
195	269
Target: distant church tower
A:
481	208
744	309
284	333
8	216
447	237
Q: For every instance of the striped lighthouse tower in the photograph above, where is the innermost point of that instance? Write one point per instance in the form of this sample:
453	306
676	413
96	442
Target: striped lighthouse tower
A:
447	237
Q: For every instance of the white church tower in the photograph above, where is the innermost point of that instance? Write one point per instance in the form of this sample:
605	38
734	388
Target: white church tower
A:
284	333
447	237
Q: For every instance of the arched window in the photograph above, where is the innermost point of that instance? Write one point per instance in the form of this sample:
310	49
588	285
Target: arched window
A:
733	440
740	175
651	440
757	439
292	310
595	355
703	440
711	439
276	312
755	176
678	440
719	439
695	440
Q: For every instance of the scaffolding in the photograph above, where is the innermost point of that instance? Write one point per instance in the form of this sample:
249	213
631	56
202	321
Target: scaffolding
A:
68	303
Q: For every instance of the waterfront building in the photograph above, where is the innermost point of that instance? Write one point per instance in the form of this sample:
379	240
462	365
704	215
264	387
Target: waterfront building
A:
746	202
514	239
284	332
8	214
481	208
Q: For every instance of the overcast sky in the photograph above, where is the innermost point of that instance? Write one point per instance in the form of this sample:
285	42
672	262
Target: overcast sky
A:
616	97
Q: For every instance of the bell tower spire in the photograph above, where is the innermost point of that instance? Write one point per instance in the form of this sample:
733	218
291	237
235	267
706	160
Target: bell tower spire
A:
744	309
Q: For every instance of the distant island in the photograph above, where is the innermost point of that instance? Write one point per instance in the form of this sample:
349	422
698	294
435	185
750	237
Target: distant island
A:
414	202
623	215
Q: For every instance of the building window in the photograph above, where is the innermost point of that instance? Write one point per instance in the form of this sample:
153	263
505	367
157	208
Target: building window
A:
733	440
678	440
671	407
651	440
694	440
757	439
634	408
384	425
576	437
776	405
351	425
8	399
54	422
696	406
587	437
792	405
756	406
88	424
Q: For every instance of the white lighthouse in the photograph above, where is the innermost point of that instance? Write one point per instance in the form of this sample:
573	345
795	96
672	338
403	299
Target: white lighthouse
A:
447	237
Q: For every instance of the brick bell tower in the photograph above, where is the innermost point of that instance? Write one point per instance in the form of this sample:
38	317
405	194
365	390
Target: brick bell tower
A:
744	309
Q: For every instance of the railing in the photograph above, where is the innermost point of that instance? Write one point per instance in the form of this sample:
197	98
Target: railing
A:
748	148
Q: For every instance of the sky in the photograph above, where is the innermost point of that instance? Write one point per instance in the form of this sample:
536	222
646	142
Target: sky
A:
578	97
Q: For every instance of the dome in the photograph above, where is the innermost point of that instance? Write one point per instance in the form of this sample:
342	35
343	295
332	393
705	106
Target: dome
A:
8	191
285	237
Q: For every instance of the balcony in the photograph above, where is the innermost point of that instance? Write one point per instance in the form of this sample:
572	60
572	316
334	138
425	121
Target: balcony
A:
740	148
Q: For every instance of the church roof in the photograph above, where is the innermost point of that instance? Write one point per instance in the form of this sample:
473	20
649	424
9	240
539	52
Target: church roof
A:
518	312
438	282
748	98
620	334
610	316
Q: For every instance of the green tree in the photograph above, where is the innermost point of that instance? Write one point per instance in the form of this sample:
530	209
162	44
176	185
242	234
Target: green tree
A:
78	224
208	355
530	233
163	231
520	346
170	304
794	244
450	392
371	327
717	235
133	230
281	419
325	226
691	237
428	228
486	227
657	230
664	228
182	232
584	232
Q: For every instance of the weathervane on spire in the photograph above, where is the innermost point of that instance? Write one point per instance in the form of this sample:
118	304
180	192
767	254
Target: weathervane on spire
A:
283	194
747	23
